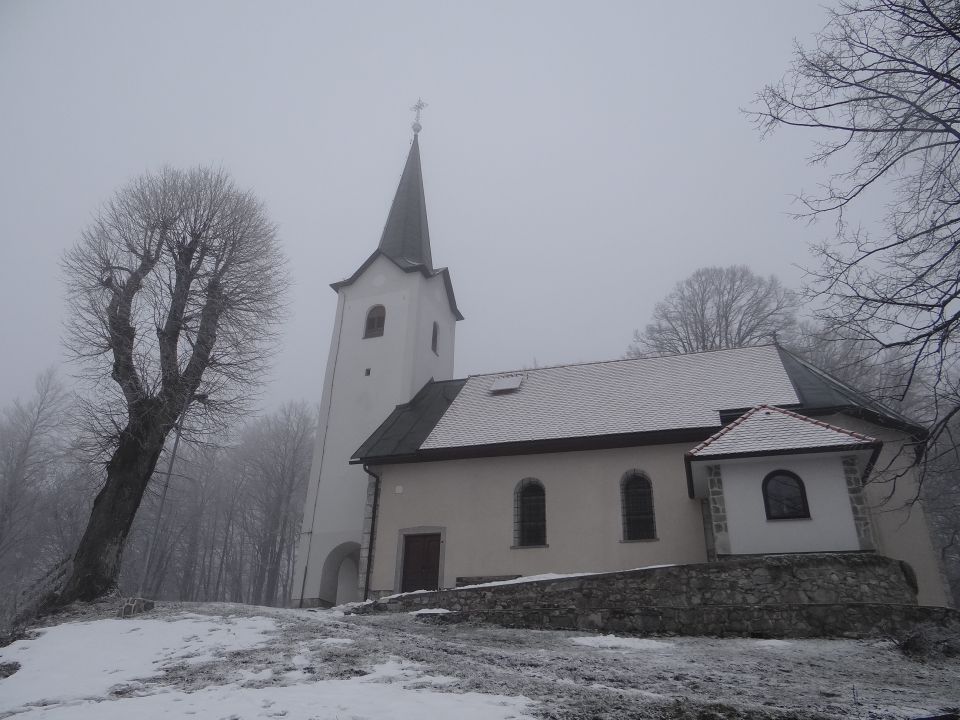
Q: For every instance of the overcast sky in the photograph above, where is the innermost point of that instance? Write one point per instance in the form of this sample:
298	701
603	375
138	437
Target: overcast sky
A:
579	158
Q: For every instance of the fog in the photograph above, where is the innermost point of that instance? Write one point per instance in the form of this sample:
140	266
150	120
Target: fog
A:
579	158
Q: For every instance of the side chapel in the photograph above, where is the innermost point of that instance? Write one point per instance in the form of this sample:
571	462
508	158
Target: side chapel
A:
423	481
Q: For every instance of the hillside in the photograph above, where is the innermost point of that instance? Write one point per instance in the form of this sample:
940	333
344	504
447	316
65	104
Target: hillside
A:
232	661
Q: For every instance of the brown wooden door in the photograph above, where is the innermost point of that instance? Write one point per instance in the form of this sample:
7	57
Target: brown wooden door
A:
421	562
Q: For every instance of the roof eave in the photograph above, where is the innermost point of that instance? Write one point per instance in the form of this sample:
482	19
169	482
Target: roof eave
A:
850	447
539	447
413	267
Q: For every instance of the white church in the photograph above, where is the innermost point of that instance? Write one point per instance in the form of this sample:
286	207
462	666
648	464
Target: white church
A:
423	481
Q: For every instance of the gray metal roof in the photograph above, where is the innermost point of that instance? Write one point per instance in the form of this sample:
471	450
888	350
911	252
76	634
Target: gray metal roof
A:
402	433
406	237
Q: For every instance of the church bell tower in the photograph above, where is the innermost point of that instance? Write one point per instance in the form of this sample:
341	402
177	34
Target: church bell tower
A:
394	332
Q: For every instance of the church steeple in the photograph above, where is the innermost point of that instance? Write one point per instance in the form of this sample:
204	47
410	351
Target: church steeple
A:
406	237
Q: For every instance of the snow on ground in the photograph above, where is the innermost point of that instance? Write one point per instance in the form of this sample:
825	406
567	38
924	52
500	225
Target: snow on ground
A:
80	660
612	642
230	661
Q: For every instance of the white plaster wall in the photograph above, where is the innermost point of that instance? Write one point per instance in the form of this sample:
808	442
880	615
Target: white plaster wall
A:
473	500
829	527
354	404
899	523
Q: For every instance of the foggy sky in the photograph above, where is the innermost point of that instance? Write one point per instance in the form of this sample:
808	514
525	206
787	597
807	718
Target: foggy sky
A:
579	158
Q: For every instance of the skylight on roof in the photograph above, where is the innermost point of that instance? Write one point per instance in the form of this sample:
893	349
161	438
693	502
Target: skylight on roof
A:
506	384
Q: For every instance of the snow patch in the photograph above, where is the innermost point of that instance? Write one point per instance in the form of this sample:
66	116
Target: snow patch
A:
336	642
612	642
83	660
430	611
526	579
356	698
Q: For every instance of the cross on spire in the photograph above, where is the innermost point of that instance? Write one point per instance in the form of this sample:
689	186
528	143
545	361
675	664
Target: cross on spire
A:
418	108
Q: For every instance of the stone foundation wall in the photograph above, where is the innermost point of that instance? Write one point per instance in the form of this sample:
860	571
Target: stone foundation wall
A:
806	595
851	620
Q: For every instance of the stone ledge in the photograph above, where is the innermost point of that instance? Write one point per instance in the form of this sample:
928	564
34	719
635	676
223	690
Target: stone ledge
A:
849	620
818	594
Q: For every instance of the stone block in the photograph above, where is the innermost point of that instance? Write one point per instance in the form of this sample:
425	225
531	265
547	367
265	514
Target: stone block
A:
135	606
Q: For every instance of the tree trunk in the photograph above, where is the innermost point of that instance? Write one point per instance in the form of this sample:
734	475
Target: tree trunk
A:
190	559
96	564
273	575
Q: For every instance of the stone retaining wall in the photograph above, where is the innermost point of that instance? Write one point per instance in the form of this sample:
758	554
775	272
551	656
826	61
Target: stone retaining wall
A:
809	595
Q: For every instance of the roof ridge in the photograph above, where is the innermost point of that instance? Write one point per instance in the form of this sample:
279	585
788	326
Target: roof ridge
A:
727	428
783	411
858	395
821	423
619	360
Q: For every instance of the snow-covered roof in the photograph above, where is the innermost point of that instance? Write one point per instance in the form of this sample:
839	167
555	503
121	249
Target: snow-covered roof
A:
616	397
766	429
620	403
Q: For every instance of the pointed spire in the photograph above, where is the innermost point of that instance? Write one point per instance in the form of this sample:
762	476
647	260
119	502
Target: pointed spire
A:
406	238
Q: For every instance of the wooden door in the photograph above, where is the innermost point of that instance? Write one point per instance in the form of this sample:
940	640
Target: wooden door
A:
421	562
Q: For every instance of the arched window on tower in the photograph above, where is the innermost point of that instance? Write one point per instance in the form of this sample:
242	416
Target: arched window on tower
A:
636	502
529	514
784	496
433	339
376	318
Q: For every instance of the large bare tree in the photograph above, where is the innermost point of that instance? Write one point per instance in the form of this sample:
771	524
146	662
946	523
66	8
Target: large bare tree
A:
717	308
176	291
881	90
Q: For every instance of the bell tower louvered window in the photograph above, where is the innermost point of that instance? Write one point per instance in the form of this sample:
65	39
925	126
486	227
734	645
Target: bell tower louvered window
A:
376	319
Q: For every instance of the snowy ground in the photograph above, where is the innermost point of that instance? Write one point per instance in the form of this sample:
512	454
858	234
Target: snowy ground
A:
230	661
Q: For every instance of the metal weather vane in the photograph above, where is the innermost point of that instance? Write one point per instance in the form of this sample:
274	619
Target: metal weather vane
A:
418	108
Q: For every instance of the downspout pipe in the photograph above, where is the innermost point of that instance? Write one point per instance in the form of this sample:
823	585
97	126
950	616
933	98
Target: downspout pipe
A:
373	529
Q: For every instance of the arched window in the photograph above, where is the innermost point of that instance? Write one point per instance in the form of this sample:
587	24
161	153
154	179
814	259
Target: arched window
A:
433	339
636	501
784	496
529	514
376	318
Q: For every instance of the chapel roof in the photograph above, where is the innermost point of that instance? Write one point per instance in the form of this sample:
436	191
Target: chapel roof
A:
767	430
618	403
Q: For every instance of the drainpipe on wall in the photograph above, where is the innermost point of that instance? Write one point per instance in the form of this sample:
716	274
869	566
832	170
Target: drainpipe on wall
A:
373	529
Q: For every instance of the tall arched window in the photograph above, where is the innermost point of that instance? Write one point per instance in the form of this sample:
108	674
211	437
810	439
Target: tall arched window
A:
376	319
784	496
433	339
529	514
636	501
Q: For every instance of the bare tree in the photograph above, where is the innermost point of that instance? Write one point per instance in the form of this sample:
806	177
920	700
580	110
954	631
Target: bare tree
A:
177	291
278	449
29	445
882	86
717	308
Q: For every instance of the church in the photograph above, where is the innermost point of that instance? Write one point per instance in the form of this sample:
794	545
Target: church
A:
423	481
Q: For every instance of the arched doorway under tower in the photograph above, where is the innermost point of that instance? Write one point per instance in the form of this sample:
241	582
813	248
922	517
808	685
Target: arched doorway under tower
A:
340	577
